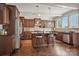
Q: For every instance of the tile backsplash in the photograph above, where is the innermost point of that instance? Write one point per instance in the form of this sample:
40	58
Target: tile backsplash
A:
37	29
1	26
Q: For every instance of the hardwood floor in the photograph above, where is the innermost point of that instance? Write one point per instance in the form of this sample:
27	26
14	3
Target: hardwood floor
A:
59	49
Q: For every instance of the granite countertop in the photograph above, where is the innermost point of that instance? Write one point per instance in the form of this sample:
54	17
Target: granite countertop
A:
68	32
35	32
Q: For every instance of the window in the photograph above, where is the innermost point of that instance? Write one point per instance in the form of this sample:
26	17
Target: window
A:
65	22
58	23
73	19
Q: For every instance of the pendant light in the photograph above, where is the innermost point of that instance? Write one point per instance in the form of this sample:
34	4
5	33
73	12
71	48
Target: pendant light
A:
49	8
38	14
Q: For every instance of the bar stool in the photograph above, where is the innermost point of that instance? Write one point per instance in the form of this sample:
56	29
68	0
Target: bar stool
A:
51	40
39	41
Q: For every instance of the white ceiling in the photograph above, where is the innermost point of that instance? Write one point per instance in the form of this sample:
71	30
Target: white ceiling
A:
29	10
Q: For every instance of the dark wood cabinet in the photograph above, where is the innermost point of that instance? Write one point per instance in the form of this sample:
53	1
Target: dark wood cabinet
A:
8	16
31	23
1	47
14	15
76	39
28	23
4	14
59	36
26	35
68	37
13	43
5	45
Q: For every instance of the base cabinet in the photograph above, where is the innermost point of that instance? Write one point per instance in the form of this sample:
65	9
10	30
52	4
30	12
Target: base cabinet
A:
39	41
1	47
66	38
13	44
76	39
59	36
5	45
26	36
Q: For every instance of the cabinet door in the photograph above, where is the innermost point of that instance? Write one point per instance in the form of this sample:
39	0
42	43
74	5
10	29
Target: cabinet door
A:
12	18
66	38
31	23
7	45
76	39
13	44
28	23
4	14
1	47
7	15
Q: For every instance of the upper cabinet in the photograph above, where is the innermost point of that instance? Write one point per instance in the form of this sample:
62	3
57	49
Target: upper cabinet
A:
8	16
32	23
37	22
29	22
4	14
13	16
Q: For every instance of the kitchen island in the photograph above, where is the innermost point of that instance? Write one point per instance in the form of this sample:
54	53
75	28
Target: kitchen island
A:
41	39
